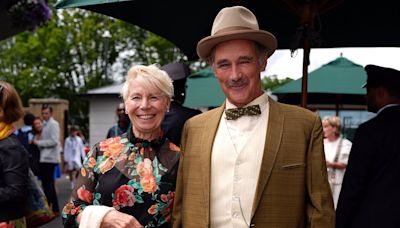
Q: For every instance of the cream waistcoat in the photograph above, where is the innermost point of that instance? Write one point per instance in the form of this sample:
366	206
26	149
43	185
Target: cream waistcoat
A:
235	165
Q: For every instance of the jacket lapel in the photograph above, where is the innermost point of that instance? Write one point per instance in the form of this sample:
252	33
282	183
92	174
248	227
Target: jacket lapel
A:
207	140
272	143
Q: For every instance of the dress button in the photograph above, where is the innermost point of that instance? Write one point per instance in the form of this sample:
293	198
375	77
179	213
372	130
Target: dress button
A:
235	215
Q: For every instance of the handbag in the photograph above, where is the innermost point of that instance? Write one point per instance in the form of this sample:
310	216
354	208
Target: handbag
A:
37	211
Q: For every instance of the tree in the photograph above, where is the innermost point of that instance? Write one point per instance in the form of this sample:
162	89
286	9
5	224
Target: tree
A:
69	56
271	82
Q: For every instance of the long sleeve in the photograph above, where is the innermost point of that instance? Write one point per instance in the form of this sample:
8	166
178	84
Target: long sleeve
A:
320	210
13	178
82	194
51	139
14	173
356	177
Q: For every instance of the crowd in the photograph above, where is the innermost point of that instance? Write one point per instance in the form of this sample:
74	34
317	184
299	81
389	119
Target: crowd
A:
252	161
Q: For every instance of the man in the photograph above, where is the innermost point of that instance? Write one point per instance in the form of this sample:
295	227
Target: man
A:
177	115
50	149
122	124
370	190
264	169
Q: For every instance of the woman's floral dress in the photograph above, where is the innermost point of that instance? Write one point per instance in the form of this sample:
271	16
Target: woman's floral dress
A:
134	176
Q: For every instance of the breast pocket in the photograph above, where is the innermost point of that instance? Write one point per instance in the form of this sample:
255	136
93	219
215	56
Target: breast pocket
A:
294	166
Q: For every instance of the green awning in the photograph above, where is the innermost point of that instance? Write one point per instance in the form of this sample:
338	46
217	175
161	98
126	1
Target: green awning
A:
338	82
340	76
203	90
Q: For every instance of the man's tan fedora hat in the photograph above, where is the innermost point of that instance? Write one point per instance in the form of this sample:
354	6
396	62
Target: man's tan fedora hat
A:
233	23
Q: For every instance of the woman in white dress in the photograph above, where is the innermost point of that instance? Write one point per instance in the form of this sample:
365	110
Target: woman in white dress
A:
337	150
74	153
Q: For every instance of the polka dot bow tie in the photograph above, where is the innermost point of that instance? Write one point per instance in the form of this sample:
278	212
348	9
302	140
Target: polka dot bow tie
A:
234	113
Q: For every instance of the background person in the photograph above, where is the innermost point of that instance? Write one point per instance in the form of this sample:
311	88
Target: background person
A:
33	149
177	115
252	161
24	133
50	154
337	150
14	164
122	124
129	180
74	152
370	189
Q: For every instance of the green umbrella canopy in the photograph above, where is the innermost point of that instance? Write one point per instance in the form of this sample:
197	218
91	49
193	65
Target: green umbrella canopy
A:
340	78
203	90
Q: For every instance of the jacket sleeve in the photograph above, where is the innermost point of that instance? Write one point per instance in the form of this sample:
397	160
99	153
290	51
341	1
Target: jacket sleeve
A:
54	137
356	177
320	209
176	213
14	171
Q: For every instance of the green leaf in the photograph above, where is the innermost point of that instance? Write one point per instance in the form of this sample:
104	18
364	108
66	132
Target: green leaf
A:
139	199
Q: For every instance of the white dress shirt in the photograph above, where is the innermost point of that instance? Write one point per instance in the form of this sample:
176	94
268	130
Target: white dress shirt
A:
235	166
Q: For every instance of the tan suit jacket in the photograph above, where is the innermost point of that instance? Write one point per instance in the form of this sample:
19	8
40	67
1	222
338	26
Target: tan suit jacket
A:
292	191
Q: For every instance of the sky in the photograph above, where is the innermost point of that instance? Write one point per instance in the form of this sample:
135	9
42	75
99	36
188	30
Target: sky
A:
283	65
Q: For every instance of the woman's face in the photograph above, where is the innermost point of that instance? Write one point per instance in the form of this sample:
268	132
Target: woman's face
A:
37	125
329	130
146	108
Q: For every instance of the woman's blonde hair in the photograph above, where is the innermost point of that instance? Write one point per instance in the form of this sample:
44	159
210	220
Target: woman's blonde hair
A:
151	77
334	121
11	103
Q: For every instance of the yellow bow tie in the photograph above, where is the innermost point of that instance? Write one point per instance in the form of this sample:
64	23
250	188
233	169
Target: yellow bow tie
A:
234	113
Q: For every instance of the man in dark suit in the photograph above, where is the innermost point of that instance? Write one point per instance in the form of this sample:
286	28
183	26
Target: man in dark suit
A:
177	115
370	195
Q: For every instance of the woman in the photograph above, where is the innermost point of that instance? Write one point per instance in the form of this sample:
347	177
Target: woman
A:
129	180
337	150
74	151
14	164
34	151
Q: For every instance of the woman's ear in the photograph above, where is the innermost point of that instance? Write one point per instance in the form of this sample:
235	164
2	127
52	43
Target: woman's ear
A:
168	102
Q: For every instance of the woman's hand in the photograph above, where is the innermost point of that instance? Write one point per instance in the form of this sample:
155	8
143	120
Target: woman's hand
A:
116	219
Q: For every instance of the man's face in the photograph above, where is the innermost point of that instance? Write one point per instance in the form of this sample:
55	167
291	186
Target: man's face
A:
237	69
46	114
121	110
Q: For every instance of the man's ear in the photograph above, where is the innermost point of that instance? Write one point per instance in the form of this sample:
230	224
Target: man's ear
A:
264	64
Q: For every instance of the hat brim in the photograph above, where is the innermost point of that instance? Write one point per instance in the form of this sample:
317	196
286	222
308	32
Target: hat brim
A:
264	38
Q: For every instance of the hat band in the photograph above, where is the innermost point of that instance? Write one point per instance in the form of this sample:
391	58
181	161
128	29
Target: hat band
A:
232	28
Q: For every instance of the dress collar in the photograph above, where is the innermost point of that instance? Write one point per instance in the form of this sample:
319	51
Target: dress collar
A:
157	142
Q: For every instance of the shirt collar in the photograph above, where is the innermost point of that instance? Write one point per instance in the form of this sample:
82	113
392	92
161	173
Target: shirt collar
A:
385	107
261	100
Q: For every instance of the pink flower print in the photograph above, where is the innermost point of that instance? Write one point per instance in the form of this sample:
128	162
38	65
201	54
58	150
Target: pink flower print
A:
124	197
145	168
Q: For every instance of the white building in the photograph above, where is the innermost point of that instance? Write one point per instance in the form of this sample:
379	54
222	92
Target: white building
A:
103	102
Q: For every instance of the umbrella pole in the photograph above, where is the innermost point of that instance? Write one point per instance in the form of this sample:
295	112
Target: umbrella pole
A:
304	80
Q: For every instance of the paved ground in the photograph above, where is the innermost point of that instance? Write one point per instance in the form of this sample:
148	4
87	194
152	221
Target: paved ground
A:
63	193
